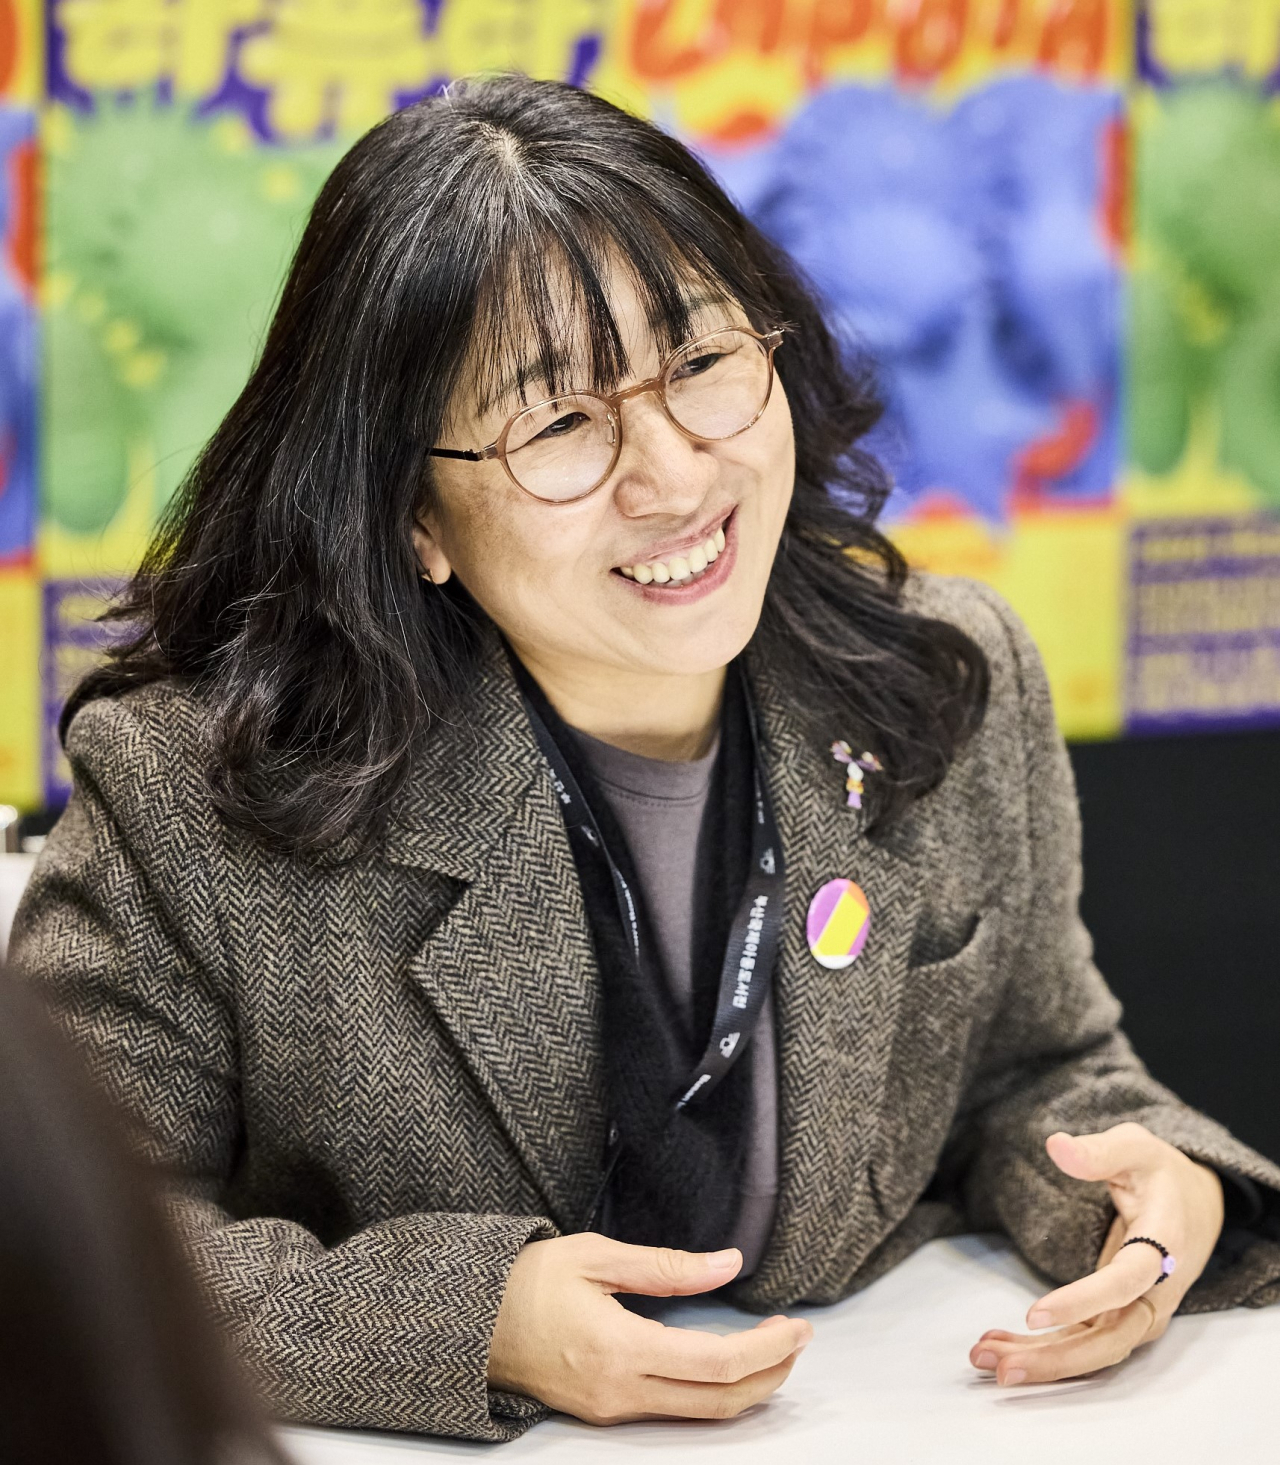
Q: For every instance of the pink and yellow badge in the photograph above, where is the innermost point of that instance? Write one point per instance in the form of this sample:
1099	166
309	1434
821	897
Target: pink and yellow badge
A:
838	924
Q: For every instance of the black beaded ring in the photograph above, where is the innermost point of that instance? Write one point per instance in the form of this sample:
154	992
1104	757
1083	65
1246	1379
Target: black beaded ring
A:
1167	1263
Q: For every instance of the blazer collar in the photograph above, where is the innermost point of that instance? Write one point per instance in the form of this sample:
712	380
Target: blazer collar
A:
510	970
470	775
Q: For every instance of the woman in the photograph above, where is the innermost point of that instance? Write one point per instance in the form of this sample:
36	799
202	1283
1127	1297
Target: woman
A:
105	1354
539	843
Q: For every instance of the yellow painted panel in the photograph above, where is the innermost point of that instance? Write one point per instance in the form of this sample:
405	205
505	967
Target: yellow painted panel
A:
19	687
24	81
1194	37
1064	573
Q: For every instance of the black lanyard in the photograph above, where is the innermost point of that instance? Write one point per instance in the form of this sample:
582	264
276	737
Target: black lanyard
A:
746	973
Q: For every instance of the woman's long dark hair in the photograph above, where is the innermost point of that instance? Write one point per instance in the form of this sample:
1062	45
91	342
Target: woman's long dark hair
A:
282	582
106	1354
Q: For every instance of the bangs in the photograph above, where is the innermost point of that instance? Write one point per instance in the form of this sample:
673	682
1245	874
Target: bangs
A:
544	317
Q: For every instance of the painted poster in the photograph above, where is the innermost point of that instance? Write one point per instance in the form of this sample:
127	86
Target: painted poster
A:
19	583
953	176
1051	223
1203	483
184	141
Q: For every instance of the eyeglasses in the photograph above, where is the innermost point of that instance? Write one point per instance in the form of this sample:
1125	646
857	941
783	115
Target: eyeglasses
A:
562	449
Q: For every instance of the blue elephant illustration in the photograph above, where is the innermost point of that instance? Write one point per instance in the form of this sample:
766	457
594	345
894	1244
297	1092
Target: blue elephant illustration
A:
967	251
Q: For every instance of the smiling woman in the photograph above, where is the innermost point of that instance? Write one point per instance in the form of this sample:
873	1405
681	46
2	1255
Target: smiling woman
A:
595	589
540	843
466	259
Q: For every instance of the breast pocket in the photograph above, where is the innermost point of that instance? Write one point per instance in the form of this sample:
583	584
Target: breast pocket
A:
945	1006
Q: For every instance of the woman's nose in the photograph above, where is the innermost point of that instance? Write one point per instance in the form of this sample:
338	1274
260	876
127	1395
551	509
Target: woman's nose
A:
659	470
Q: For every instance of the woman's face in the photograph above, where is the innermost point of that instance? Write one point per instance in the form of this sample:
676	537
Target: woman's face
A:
551	575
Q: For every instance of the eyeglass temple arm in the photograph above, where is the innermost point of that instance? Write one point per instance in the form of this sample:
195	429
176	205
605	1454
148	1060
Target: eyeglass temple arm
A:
471	455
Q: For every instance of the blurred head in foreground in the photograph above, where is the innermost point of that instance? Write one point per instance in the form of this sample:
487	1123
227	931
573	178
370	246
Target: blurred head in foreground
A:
106	1357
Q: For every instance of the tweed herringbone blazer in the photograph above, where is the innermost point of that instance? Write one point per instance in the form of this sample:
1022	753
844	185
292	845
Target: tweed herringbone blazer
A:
373	1082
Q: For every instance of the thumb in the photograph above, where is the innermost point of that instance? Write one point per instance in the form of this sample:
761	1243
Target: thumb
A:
660	1271
1106	1156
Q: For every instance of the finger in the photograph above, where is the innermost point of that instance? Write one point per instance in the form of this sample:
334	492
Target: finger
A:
660	1271
983	1354
1122	1149
1077	1351
1133	1271
682	1399
683	1353
993	1346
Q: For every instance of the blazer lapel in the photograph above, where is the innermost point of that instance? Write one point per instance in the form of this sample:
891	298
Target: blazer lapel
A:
831	1088
510	970
512	974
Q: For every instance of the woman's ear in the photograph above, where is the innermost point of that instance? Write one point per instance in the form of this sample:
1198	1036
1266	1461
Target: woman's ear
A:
432	561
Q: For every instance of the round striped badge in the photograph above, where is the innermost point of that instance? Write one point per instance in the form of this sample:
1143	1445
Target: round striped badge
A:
839	920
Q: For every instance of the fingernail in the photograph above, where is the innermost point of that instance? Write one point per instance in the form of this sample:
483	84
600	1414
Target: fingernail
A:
986	1359
1014	1376
721	1261
1039	1319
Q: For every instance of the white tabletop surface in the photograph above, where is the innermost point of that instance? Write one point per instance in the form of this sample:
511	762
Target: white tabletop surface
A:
14	871
886	1381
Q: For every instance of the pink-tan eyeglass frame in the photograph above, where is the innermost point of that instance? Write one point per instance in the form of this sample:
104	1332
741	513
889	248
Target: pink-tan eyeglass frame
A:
769	341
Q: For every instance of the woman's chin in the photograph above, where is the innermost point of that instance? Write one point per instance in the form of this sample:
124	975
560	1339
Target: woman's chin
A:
694	651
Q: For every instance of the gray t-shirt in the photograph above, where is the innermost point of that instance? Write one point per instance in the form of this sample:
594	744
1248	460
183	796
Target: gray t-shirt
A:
659	806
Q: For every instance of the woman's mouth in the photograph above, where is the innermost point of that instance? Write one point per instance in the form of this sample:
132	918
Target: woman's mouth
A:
690	574
680	567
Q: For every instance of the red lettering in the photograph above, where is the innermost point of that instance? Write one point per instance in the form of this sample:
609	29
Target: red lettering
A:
835	23
749	25
1075	37
930	34
8	44
1006	25
755	25
743	127
652	57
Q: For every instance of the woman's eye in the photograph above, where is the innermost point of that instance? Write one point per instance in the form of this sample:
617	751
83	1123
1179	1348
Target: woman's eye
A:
698	365
564	425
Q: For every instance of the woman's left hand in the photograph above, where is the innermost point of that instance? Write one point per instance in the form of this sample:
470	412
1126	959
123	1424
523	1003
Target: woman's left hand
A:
1099	1320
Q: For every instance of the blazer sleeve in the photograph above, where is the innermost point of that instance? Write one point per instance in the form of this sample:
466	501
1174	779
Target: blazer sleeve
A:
389	1329
1056	1058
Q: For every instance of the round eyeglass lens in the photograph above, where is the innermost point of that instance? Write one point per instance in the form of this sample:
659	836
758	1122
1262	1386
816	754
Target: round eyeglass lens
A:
561	449
717	387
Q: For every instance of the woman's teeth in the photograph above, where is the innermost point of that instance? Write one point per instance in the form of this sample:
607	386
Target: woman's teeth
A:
680	568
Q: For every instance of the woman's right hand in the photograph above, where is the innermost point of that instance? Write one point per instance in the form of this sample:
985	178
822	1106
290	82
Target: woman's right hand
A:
563	1337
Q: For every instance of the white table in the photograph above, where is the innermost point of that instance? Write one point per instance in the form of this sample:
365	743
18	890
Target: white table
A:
886	1381
14	873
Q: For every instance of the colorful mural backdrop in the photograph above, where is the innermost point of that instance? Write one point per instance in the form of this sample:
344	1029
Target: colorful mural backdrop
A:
1054	225
19	572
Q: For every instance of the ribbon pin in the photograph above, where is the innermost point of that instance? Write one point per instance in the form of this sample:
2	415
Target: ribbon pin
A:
854	783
